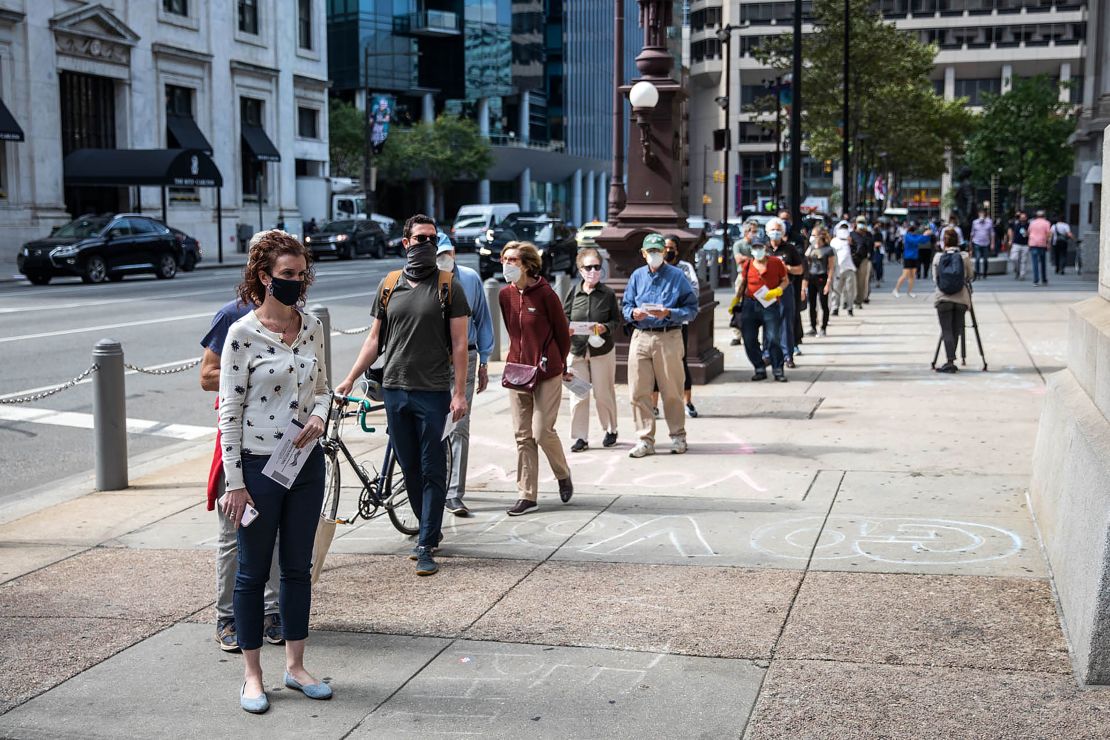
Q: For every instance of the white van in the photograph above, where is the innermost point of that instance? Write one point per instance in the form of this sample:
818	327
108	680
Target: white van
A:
474	221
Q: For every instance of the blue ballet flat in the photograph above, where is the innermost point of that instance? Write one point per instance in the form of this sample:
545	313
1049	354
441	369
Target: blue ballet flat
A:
313	690
257	705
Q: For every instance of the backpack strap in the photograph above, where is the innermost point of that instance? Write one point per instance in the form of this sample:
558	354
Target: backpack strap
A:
388	286
446	281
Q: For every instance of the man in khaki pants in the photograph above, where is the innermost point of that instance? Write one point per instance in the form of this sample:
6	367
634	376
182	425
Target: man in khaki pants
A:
657	301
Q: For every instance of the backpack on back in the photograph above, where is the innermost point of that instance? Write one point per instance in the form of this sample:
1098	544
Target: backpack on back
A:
444	291
950	273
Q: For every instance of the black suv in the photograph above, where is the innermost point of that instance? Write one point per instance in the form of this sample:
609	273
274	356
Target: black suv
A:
552	237
99	248
348	238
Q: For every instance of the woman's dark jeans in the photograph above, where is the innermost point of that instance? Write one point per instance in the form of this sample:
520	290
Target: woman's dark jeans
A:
293	513
816	294
951	316
752	316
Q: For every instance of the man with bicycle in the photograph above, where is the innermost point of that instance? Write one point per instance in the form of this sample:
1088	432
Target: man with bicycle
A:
420	333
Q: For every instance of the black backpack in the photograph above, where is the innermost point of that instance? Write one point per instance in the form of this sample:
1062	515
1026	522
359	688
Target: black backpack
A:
950	273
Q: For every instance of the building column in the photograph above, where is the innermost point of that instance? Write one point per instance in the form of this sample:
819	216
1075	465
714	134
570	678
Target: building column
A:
526	189
1065	77
602	209
483	131
525	123
949	83
428	115
1007	78
590	198
576	197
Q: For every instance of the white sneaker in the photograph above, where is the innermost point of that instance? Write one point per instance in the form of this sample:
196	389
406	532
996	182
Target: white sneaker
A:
642	449
895	293
911	295
678	445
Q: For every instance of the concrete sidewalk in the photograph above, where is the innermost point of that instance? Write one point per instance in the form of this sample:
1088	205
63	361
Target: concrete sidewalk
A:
849	554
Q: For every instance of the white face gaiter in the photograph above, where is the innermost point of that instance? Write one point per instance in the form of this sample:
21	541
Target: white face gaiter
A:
654	260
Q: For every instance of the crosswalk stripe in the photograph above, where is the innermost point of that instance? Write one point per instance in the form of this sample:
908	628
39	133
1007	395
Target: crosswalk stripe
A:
85	421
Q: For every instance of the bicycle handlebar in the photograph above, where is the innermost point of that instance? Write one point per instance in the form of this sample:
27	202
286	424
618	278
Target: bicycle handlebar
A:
365	406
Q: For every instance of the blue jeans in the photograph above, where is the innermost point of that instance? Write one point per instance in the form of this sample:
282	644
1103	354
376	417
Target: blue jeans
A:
416	420
294	513
982	255
786	333
877	266
752	316
1040	264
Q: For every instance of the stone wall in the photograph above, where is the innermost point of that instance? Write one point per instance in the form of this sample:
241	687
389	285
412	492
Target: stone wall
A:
1070	489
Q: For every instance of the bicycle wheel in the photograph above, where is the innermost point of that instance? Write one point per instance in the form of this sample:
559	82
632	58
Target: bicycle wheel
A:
331	485
401	513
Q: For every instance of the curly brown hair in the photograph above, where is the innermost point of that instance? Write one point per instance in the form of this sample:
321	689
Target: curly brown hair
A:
265	248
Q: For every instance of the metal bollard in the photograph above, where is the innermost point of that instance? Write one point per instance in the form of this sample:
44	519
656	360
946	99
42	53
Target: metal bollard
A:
321	312
493	288
109	417
562	285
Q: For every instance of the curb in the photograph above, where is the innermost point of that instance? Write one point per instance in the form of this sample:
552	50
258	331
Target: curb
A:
17	278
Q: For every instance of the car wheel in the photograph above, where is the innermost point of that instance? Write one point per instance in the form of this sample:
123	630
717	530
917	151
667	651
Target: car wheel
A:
95	270
190	262
167	267
347	253
379	253
39	279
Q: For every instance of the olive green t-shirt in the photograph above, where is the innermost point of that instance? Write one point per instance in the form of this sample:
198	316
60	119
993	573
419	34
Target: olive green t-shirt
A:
418	341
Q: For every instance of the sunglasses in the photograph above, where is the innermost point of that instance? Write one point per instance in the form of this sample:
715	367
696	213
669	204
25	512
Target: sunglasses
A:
421	239
591	268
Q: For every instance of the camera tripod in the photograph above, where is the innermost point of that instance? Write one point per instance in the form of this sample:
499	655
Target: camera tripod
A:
962	339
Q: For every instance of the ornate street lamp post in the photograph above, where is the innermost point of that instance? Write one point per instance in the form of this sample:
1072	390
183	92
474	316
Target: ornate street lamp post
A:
653	190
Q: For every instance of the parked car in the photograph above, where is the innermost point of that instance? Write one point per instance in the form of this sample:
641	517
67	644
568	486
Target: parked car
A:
347	239
99	248
552	237
588	233
189	252
473	221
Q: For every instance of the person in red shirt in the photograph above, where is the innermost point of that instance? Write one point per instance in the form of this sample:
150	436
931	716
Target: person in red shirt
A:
539	336
764	278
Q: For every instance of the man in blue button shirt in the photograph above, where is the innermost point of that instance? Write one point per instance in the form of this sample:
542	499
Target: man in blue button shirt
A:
480	344
658	301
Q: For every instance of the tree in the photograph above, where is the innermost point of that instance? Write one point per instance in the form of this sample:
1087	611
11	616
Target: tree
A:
896	121
448	149
346	138
1023	137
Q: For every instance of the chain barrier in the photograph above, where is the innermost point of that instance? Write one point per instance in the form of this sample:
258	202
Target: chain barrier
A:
51	391
349	332
168	371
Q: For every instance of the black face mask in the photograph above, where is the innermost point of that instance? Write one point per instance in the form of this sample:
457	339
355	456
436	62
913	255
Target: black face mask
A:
421	260
671	257
286	291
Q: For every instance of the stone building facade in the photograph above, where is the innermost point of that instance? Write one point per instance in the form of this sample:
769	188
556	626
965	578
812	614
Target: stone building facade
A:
246	78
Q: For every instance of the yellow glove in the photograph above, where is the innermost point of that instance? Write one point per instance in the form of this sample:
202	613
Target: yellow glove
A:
773	294
735	302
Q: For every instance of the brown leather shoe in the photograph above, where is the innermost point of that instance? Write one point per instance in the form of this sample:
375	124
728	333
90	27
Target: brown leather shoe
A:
566	489
522	506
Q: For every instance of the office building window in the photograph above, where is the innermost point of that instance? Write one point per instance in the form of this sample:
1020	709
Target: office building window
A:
253	171
248	16
177	7
179	101
308	123
975	90
304	24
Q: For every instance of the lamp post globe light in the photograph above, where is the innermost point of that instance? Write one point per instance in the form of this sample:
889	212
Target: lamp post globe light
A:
653	186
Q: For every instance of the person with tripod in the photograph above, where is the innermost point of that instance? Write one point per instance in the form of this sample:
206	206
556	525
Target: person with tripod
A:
952	270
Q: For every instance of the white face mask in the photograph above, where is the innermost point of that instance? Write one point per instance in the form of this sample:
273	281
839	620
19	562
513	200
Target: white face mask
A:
512	273
758	253
654	259
446	263
591	277
841	233
774	235
595	340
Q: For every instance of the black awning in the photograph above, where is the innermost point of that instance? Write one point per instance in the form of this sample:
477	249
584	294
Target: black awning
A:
258	144
9	129
158	167
186	134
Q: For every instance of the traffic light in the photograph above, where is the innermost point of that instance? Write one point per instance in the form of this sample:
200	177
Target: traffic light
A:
718	177
828	166
706	200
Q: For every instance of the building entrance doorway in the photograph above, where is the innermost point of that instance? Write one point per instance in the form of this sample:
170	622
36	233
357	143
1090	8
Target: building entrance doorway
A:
88	108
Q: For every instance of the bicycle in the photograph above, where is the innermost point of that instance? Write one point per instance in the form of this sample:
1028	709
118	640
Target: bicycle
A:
385	490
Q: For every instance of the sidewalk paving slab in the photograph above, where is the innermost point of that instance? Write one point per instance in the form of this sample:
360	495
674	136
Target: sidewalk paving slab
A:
503	690
709	612
97	517
940	621
814	700
168	687
19	559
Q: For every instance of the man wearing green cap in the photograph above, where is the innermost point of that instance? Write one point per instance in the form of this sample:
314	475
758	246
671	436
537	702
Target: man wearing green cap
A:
657	302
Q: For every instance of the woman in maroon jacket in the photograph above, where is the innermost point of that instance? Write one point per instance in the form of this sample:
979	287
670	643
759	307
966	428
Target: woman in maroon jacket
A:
539	336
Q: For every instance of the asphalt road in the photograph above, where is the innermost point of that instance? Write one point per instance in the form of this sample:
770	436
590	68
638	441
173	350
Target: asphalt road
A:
48	333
